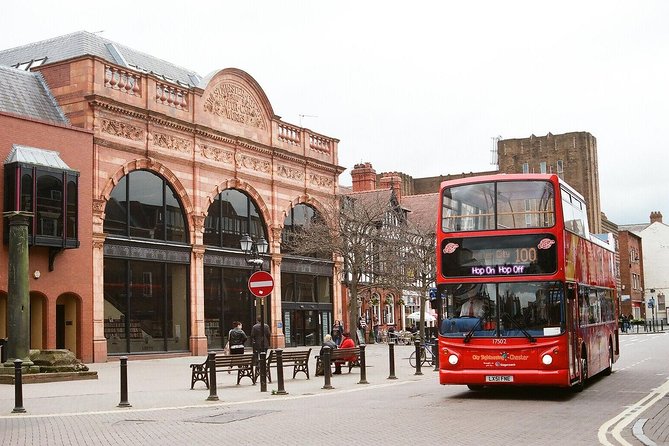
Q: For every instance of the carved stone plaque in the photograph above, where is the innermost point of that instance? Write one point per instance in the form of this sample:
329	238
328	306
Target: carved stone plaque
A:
236	103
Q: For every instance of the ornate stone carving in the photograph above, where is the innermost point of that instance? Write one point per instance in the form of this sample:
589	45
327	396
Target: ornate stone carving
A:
290	173
122	130
198	222
172	143
236	103
217	154
320	181
253	163
98	206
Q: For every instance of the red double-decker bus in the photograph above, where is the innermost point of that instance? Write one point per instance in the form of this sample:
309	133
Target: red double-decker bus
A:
528	294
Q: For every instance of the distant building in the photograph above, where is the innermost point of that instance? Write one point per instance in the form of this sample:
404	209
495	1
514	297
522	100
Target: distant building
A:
654	260
572	156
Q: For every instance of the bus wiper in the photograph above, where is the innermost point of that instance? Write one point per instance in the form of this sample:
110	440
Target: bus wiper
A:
514	322
469	335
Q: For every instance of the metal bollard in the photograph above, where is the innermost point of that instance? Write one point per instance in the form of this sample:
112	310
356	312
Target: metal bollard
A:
327	368
435	354
279	373
391	359
211	363
18	387
418	357
262	369
363	366
124	383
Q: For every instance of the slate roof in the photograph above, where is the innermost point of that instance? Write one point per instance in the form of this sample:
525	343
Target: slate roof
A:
82	43
422	209
26	94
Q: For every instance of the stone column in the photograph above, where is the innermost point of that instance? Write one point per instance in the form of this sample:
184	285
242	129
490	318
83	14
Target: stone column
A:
18	287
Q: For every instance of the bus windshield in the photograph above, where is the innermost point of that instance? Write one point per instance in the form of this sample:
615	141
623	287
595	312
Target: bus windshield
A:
498	205
507	309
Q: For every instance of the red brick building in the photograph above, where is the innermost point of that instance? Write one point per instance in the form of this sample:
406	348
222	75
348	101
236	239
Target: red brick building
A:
60	299
631	267
179	169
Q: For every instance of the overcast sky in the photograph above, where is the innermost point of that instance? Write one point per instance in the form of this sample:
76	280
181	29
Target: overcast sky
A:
422	87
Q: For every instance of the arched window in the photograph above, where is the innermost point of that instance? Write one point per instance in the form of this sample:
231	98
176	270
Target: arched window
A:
389	310
144	205
299	217
232	214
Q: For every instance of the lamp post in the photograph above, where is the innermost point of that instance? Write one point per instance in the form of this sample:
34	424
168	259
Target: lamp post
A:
254	250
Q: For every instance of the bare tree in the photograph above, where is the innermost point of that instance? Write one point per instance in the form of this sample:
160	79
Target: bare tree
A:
420	263
364	231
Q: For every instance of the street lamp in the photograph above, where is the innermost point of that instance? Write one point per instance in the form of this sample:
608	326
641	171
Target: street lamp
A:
254	250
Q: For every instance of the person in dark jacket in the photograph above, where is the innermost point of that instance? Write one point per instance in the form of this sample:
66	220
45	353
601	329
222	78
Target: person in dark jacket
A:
337	330
236	339
259	344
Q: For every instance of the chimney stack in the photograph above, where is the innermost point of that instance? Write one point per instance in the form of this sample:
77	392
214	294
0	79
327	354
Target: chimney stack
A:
392	180
655	216
364	177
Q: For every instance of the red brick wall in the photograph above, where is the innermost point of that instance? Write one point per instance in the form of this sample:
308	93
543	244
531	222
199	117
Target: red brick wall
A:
73	267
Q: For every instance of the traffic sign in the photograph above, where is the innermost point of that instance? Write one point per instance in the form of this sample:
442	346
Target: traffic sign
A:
261	283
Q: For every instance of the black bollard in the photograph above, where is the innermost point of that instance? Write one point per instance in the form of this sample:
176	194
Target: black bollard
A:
363	366
662	325
327	368
262	369
418	357
18	387
279	373
435	354
391	359
124	382
211	363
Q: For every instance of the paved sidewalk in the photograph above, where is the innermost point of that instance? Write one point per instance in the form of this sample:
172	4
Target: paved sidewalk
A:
165	383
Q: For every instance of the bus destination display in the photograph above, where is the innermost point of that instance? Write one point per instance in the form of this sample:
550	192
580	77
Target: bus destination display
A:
499	256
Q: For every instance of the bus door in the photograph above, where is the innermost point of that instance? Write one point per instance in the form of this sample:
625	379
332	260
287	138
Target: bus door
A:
572	316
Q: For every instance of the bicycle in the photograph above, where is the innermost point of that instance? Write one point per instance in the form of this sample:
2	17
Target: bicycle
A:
426	356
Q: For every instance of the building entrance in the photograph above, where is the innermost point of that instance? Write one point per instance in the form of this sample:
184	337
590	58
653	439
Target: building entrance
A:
305	327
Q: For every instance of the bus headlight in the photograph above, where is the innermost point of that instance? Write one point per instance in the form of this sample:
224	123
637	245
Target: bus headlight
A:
453	359
547	359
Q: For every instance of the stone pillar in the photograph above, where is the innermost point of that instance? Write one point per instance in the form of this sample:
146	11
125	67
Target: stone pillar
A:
99	340
18	287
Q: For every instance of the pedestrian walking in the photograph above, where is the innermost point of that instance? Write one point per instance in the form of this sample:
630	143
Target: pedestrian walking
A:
257	341
236	339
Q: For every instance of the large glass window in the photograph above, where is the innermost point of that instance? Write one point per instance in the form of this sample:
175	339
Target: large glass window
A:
501	205
145	306
306	288
519	309
231	215
143	205
574	213
298	219
226	299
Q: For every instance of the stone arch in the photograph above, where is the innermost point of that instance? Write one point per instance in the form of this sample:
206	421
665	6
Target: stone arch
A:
155	166
236	183
301	199
235	76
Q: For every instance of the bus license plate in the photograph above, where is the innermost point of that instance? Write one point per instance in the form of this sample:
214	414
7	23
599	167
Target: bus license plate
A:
499	379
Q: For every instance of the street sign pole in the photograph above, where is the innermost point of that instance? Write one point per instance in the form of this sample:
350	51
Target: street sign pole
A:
261	284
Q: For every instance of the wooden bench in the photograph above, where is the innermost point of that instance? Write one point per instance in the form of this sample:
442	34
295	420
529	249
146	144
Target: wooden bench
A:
299	359
338	355
242	364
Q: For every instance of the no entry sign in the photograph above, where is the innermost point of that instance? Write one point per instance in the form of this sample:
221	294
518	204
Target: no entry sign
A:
261	283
